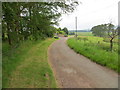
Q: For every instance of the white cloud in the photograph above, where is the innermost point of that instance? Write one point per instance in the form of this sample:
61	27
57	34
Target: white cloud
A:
91	13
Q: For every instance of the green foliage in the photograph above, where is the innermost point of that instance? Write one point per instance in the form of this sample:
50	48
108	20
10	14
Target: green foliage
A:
106	30
32	20
65	30
24	21
97	50
62	32
30	61
100	30
108	40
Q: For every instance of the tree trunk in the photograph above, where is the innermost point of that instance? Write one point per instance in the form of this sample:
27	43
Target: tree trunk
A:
3	36
9	40
8	34
111	44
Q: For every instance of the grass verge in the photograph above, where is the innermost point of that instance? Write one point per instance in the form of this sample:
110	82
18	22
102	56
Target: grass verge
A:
97	52
27	66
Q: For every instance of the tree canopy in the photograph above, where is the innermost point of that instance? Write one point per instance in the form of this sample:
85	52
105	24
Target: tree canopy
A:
32	20
100	30
65	30
106	30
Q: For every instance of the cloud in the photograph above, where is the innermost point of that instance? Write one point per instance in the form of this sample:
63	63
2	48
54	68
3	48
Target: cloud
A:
91	13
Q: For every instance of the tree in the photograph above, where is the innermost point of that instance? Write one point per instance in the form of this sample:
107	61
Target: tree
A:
112	33
100	30
106	30
22	20
65	30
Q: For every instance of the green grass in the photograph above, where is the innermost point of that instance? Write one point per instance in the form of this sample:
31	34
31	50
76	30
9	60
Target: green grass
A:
1	64
97	50
27	66
84	33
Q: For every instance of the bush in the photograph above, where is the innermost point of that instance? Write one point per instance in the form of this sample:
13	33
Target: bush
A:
56	37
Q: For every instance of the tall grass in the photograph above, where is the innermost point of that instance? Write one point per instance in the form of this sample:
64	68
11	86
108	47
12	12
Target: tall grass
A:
95	49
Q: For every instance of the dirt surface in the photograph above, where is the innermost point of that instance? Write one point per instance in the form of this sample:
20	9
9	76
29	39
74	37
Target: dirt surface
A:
73	70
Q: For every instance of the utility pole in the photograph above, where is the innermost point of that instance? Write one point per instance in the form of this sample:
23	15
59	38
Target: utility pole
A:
76	25
119	20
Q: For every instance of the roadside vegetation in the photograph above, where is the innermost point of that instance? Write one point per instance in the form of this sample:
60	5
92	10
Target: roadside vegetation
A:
96	49
27	66
107	31
101	48
32	21
26	31
62	32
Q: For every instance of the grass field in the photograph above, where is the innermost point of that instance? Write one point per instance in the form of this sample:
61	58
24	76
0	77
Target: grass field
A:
84	33
97	50
27	66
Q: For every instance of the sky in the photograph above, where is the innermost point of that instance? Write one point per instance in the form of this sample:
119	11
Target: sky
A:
91	13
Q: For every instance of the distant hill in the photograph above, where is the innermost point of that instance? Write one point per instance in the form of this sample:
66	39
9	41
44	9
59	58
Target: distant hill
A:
79	31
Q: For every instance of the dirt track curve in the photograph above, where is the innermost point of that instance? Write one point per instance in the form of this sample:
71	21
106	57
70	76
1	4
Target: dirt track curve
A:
76	71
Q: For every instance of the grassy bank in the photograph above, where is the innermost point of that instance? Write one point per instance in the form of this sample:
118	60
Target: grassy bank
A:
97	50
27	66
